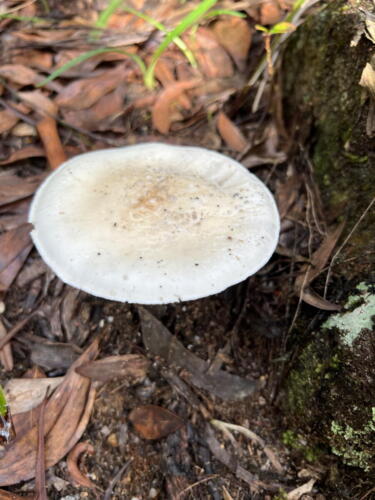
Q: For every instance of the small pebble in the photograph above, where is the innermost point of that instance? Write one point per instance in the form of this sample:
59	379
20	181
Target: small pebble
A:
153	493
101	323
105	430
110	319
112	440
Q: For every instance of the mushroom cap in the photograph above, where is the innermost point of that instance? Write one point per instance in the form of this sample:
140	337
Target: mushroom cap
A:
154	223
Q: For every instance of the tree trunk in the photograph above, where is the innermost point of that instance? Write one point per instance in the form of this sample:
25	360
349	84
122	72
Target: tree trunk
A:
330	390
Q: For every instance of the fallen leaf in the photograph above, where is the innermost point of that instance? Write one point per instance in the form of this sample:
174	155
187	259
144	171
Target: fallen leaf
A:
7	495
24	394
8	275
212	59
160	342
234	34
164	73
78	478
297	493
39	102
98	116
127	366
162	109
12	243
231	134
47	129
154	422
34	58
23	153
66	416
54	355
84	93
13	187
310	271
18	73
6	357
40	474
23	129
270	13
7	120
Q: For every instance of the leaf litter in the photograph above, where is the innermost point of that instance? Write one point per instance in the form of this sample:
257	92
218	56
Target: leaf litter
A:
164	384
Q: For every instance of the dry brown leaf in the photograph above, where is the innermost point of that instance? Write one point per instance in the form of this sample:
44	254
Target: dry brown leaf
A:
270	13
7	495
6	356
213	60
13	187
66	416
127	366
23	153
18	73
154	422
78	478
164	73
12	243
8	275
234	34
47	129
310	271
231	134
84	93
162	110
24	394
34	58
39	102
7	120
100	115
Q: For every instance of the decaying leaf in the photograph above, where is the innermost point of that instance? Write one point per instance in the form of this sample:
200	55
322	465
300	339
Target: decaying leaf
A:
160	342
6	356
7	120
18	73
9	273
84	93
13	187
12	243
310	271
212	58
24	394
7	432
231	134
132	367
78	478
47	129
162	110
52	355
66	416
22	154
155	422
39	102
234	34
368	79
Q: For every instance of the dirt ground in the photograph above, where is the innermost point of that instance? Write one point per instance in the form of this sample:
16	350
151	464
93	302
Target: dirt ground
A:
184	444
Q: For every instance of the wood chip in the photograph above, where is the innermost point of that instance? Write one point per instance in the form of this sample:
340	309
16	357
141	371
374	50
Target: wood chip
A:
132	367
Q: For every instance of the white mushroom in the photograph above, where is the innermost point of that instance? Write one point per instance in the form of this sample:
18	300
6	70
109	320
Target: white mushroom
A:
154	223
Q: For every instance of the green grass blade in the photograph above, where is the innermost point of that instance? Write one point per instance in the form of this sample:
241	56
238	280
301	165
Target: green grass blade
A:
224	12
156	24
86	55
105	15
3	403
189	20
25	18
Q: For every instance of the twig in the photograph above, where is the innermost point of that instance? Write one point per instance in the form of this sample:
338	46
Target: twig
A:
19	114
13	331
189	488
344	243
117	477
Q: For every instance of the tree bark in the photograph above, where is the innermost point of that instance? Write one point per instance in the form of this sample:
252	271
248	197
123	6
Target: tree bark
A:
330	390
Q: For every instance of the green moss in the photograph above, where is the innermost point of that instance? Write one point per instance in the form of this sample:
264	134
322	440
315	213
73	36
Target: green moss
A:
350	444
297	442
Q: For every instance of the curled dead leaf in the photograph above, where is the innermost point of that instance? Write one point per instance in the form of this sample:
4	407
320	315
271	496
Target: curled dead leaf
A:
78	478
24	394
162	110
23	153
234	34
154	422
231	134
66	416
